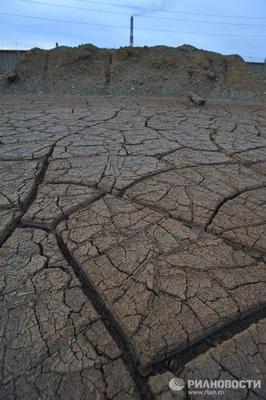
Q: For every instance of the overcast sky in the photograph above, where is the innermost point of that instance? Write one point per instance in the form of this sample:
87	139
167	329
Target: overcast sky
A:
226	26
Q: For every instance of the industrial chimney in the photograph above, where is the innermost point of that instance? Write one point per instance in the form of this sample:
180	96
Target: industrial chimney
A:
131	31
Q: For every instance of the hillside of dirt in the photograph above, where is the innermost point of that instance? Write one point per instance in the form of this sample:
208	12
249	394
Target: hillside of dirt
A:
137	71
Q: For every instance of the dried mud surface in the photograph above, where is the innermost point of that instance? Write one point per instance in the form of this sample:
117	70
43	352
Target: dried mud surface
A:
132	246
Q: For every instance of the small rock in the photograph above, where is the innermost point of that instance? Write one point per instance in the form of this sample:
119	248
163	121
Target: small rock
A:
211	75
7	77
206	64
10	75
195	98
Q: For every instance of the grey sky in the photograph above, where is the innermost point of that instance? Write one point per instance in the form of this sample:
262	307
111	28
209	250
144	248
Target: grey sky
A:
243	32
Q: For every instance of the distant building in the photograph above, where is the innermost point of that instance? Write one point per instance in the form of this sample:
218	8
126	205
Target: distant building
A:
9	58
258	67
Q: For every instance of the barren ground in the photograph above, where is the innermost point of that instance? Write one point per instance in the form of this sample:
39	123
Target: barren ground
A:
133	247
134	71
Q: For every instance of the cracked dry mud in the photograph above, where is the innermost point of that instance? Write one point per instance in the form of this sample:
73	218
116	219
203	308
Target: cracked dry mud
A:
132	247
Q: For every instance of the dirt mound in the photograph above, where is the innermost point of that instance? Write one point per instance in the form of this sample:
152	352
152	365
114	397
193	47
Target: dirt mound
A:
151	71
62	70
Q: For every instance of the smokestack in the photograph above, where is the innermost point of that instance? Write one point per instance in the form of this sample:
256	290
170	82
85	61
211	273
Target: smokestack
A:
131	31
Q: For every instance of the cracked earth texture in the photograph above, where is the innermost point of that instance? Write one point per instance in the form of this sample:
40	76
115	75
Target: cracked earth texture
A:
132	247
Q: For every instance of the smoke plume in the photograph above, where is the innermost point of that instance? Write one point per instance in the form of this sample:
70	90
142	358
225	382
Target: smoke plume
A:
154	7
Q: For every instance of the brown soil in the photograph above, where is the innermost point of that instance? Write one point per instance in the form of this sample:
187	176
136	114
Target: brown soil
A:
149	71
